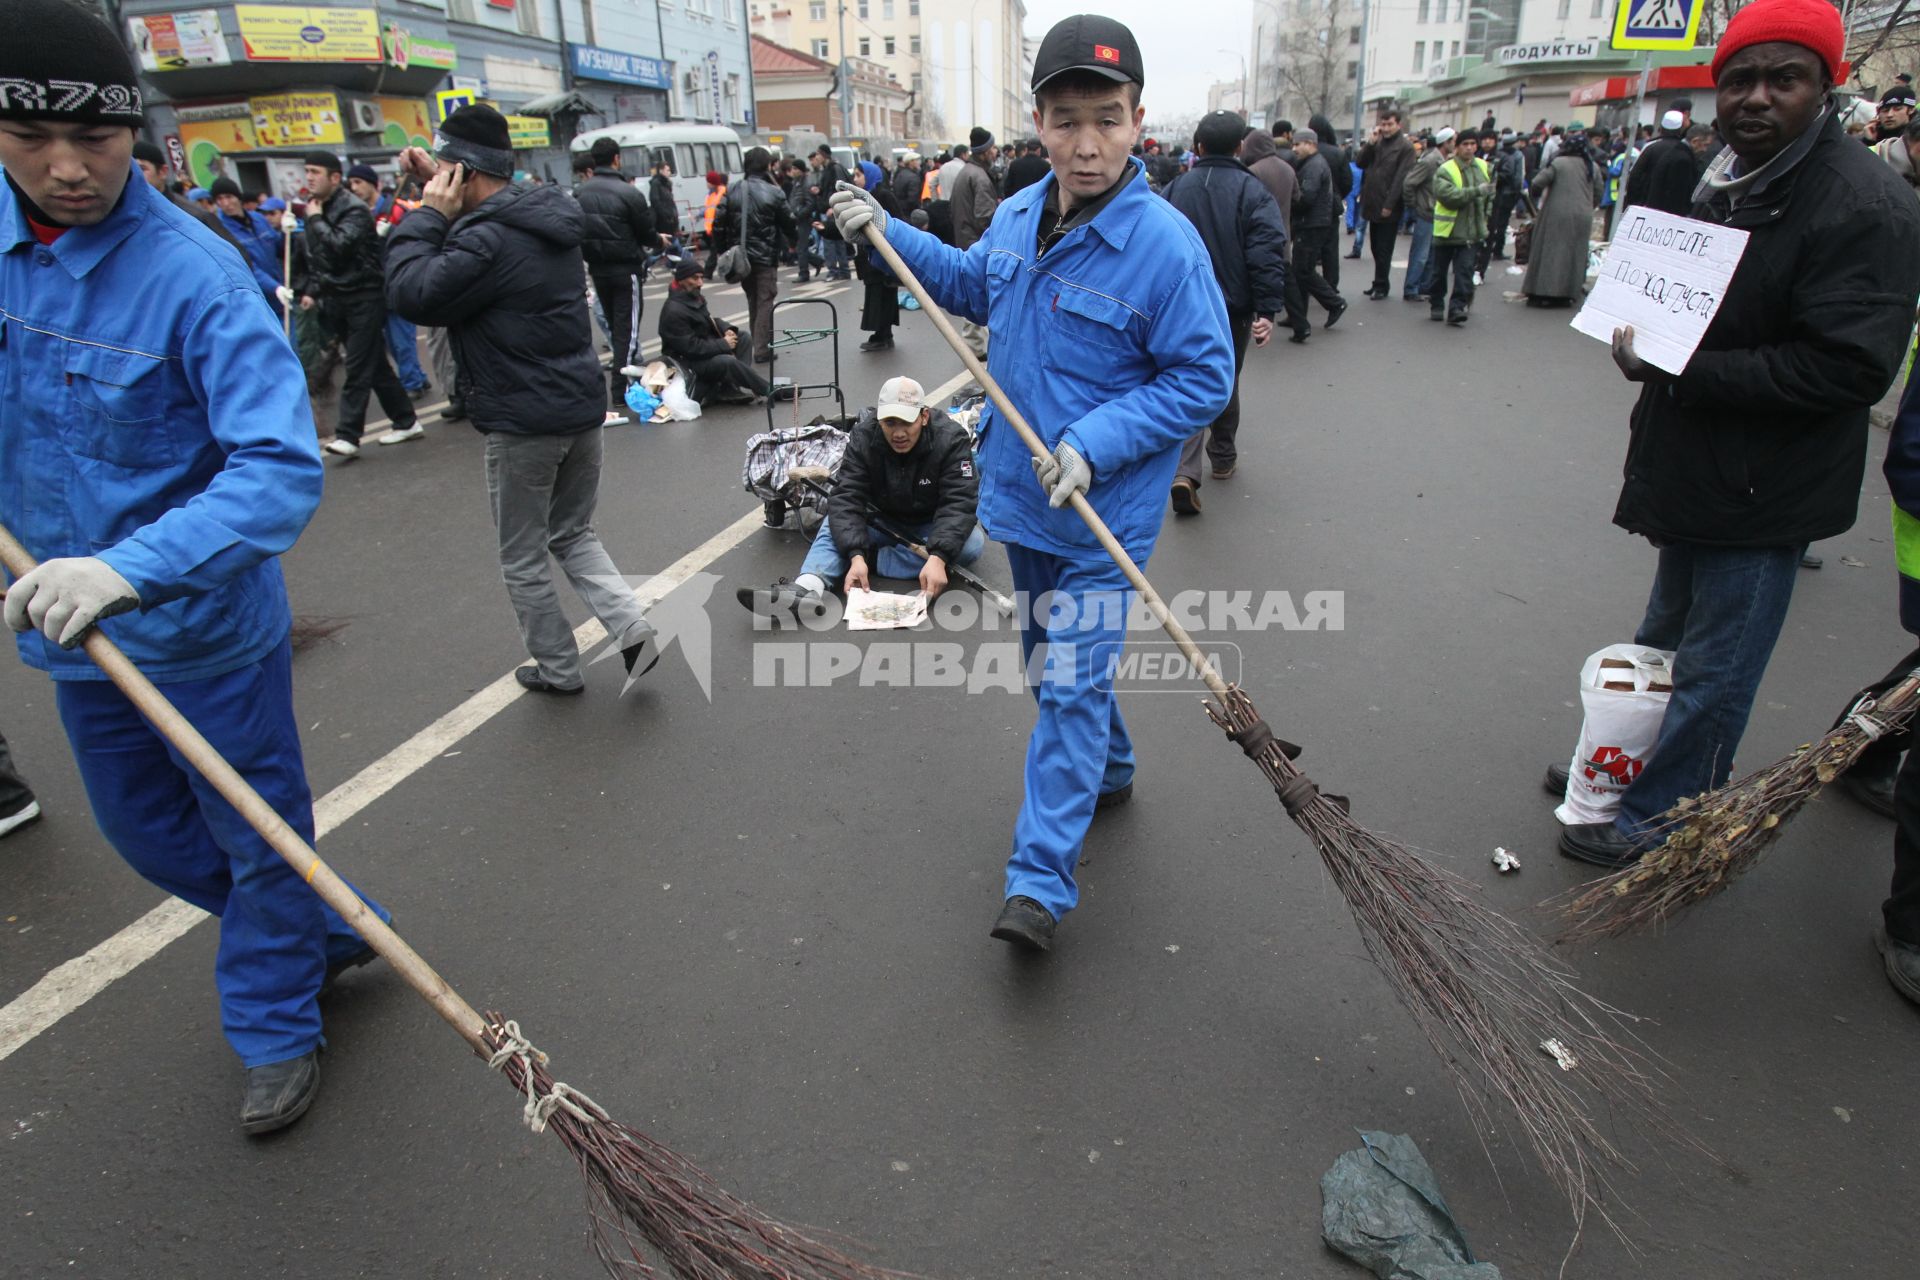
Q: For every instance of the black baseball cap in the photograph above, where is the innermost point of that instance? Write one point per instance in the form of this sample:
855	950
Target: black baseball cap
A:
1089	42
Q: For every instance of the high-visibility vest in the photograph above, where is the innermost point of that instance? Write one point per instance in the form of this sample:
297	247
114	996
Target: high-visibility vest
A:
1443	217
926	183
714	196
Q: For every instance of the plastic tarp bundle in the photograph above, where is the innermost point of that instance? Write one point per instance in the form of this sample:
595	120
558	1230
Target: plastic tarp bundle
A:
1381	1207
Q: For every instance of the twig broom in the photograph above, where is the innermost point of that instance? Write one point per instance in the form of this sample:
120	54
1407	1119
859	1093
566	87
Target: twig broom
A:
1709	841
639	1191
1505	1016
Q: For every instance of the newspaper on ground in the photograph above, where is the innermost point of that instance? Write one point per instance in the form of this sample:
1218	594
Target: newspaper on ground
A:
884	610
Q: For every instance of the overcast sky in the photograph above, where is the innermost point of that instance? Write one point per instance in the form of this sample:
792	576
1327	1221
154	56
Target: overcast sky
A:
1184	52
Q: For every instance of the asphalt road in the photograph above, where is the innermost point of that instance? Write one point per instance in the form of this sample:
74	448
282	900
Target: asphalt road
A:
755	925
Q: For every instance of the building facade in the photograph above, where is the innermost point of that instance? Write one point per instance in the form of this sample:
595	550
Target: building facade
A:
798	93
244	90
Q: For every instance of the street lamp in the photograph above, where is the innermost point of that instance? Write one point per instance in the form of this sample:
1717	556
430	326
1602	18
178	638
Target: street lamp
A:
1245	104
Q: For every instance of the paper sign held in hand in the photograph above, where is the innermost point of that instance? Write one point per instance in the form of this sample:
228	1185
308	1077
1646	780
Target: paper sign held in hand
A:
1666	276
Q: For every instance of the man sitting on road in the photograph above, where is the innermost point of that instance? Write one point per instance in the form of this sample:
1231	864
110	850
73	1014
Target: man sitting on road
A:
911	465
707	348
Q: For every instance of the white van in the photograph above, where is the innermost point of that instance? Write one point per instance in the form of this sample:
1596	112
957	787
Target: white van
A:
692	149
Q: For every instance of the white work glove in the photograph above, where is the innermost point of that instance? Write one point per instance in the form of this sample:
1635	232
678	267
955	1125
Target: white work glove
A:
283	293
381	228
1063	475
852	208
65	597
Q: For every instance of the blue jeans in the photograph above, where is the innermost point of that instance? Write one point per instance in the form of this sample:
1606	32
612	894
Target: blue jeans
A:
835	252
1419	252
406	355
826	562
1720	611
1080	748
276	936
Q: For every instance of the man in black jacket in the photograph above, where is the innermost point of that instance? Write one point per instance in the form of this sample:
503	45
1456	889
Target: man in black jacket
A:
1239	222
666	209
344	280
802	205
911	465
1029	167
1315	215
1384	162
706	349
1758	447
500	267
619	235
1664	174
755	214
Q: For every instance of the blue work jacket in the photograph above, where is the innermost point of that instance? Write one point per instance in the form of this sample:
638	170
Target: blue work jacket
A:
153	415
1115	341
261	243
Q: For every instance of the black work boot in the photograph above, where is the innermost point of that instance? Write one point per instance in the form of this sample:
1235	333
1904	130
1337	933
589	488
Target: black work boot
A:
1555	783
1902	960
1871	788
1026	924
279	1093
365	955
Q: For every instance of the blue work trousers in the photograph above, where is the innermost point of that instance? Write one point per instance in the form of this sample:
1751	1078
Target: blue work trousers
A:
1719	610
1419	258
171	826
826	561
406	355
1079	749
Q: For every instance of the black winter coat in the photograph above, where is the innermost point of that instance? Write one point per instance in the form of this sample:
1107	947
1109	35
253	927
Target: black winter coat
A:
343	250
1383	171
1664	176
619	224
1024	172
507	282
1762	441
769	222
1313	200
1239	221
906	188
666	210
688	331
935	480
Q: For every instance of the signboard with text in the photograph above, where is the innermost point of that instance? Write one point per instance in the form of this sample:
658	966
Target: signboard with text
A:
1657	24
529	133
174	41
591	62
297	119
451	100
405	49
1549	51
303	33
1666	276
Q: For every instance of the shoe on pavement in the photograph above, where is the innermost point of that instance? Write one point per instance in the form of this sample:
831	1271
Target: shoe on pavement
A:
1334	313
353	960
1598	844
877	344
1457	319
1811	561
533	682
630	655
420	392
1555	783
1353	257
785	599
1186	497
1870	790
456	411
400	435
1902	960
783	393
1026	924
1118	796
1378	293
1435	316
1226	473
1300	336
24	815
343	448
279	1093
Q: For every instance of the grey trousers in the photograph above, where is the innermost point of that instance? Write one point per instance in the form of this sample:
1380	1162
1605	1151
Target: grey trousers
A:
440	356
543	490
15	794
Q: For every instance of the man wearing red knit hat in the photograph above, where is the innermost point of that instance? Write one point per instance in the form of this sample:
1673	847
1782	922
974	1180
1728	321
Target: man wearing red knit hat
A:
1760	445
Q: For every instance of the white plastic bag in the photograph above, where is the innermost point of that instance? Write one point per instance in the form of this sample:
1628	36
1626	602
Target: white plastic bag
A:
682	406
1624	689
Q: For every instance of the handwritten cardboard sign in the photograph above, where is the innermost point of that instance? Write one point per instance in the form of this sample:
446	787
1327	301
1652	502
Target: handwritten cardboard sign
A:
1666	276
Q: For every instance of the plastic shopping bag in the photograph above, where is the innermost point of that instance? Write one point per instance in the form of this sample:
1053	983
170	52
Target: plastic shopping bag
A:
642	401
1624	689
682	406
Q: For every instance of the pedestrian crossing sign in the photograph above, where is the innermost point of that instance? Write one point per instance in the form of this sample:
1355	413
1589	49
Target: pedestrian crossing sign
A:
1657	24
451	100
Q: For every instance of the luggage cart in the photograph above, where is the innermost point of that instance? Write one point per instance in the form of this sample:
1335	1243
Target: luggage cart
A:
788	338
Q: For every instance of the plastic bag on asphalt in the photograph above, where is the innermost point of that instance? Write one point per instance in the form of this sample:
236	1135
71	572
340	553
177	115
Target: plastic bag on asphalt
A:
1624	690
682	406
642	401
1381	1207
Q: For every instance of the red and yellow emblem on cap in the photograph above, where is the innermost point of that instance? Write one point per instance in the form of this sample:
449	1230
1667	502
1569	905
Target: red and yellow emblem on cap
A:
1105	53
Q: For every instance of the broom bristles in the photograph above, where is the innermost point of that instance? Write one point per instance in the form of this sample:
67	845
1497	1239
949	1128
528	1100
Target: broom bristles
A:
1707	842
648	1201
1507	1019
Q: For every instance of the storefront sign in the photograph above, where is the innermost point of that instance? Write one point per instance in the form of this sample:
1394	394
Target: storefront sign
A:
406	123
1549	51
529	133
172	41
176	154
207	142
297	119
300	33
591	62
713	86
405	49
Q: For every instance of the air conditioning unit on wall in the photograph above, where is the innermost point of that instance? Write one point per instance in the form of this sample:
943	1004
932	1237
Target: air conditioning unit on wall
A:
366	117
693	81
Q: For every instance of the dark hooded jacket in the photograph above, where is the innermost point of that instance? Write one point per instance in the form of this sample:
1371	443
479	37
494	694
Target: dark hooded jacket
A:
1664	175
1339	161
666	210
1240	224
1762	441
935	481
759	203
1263	160
688	331
508	283
619	223
343	250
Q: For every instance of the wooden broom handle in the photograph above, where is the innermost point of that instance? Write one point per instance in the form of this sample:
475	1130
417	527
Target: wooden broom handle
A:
175	728
1034	443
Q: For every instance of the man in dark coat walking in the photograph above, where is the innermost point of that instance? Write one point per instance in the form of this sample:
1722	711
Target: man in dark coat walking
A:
1239	222
666	209
1384	162
755	214
1664	175
500	267
1759	446
1314	220
618	237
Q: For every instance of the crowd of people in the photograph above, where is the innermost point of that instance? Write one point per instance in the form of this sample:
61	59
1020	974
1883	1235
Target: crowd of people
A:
1114	288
